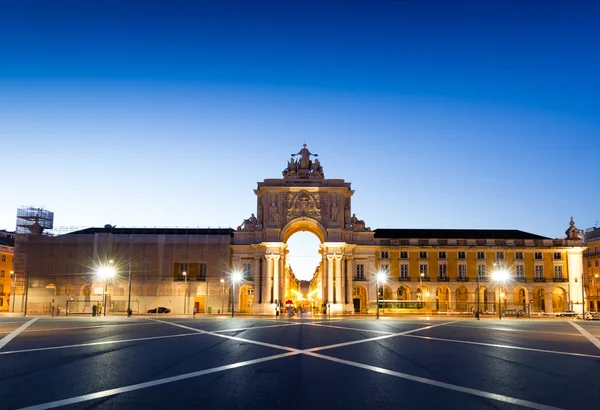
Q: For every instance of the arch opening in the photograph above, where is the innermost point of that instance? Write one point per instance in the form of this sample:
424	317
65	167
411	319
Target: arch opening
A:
304	257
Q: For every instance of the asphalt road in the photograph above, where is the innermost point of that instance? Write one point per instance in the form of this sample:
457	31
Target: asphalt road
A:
207	363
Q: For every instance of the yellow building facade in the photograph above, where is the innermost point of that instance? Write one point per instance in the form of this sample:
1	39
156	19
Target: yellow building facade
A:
424	271
6	277
591	263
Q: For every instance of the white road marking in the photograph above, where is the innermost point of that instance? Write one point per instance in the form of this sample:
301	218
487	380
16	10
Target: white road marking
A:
347	328
587	334
238	339
372	339
133	387
109	342
448	386
507	329
292	352
504	346
16	332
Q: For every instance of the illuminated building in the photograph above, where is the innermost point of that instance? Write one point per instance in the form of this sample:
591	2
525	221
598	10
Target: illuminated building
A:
591	265
6	268
428	271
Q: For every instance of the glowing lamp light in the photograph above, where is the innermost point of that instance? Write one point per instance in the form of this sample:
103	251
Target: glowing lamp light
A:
236	276
381	276
106	272
500	275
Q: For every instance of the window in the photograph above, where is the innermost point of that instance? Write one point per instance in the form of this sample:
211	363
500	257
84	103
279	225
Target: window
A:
480	255
250	292
481	271
247	271
181	271
500	256
423	270
201	271
462	271
441	255
423	242
597	263
519	256
385	255
442	242
520	269
537	256
1	273
1	288
403	255
539	271
589	263
422	255
557	256
480	242
461	255
360	271
558	271
404	271
385	267
595	252
443	270
4	257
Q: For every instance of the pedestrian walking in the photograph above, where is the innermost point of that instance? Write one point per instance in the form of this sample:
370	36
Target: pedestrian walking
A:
194	314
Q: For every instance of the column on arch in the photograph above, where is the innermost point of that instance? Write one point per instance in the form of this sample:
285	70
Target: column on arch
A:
276	278
256	279
330	295
348	270
339	280
269	280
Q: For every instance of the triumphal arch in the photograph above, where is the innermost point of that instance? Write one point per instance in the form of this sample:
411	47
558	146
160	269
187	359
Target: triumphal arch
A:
302	200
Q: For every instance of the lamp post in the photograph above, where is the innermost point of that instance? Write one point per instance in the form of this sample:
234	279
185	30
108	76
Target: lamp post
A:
14	291
223	296
184	273
235	277
478	297
129	293
379	277
105	272
500	276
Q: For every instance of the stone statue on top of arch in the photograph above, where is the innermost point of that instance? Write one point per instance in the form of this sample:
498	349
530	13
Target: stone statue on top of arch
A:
248	224
303	167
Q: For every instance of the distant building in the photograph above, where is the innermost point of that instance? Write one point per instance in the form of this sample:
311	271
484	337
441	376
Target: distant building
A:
426	270
591	263
7	241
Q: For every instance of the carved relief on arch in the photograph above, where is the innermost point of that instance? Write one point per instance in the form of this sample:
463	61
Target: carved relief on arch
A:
304	204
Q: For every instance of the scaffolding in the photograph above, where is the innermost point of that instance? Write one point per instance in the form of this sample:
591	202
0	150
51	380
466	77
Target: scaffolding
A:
34	220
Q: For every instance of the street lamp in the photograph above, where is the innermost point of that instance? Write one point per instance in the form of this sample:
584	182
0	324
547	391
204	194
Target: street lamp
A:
236	276
379	277
129	293
14	291
500	275
184	273
105	272
223	296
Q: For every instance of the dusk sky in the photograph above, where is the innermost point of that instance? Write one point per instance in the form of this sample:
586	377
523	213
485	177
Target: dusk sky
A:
447	114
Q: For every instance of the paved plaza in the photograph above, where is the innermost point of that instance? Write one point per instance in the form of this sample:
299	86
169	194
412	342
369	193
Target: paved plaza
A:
168	362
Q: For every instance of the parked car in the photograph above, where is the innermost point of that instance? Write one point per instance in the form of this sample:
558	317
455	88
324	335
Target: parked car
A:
566	313
589	316
160	309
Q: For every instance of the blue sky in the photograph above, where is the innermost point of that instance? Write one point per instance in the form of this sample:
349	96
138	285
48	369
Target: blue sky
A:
441	114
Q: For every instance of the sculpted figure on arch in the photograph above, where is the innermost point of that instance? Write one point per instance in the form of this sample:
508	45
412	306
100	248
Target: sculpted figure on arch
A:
305	162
